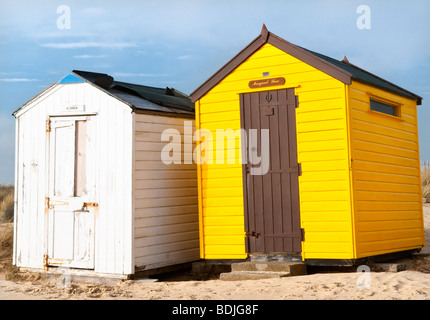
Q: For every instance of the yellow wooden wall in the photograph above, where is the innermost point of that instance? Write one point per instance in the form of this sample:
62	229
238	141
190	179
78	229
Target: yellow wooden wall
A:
386	174
323	150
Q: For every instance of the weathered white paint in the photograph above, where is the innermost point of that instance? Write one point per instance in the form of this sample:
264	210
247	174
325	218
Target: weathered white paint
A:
108	181
147	212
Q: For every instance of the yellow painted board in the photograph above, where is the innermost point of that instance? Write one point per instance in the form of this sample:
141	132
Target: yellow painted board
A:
322	155
361	136
387	186
328	247
318	195
318	126
224	230
312	186
387	205
226	256
222	221
216	107
323	175
381	247
222	211
387	196
221	173
388	225
339	236
333	134
225	240
223	192
318	254
393	169
388	215
388	150
326	226
324	206
222	250
385	158
383	120
322	104
382	130
389	235
311	216
323	115
228	124
220	116
221	183
222	201
336	144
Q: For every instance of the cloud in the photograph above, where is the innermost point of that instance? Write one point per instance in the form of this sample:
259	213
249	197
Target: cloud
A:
87	56
185	57
81	45
93	11
18	80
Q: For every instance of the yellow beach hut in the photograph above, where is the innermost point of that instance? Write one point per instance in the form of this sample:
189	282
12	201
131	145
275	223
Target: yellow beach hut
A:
341	179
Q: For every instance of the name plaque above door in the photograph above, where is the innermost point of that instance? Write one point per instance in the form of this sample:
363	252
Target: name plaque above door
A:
254	84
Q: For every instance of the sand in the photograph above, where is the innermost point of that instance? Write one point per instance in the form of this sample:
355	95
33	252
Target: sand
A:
411	284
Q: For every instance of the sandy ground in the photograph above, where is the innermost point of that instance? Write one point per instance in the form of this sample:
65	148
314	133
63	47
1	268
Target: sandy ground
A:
413	283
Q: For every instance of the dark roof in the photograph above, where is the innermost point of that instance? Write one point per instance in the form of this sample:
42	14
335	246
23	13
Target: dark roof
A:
366	77
341	70
142	97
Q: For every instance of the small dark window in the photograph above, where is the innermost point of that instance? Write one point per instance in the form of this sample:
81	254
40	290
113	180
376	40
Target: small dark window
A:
382	107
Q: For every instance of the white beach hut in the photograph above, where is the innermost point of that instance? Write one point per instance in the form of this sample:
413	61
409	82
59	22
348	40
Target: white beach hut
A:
92	192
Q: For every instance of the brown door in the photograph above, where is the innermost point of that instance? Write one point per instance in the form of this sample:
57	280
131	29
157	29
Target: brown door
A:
272	216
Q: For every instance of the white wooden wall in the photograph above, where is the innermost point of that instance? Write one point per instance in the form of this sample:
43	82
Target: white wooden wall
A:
165	198
114	223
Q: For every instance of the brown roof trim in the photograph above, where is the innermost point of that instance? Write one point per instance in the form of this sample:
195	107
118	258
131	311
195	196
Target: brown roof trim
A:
310	59
268	37
227	68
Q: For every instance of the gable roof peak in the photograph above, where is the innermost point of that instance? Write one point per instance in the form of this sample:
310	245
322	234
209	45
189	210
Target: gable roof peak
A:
264	32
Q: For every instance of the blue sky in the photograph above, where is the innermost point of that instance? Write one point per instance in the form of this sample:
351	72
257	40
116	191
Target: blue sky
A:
181	43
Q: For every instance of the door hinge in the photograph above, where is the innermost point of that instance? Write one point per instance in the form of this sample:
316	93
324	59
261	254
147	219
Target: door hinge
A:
297	101
48	125
299	167
302	234
45	262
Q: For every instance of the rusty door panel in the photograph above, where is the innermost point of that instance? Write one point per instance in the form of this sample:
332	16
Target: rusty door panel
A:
272	217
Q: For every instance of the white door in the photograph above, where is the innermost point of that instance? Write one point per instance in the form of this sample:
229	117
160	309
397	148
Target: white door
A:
71	199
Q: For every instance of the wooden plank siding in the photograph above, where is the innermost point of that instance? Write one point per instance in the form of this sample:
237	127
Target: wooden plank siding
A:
322	149
386	174
165	198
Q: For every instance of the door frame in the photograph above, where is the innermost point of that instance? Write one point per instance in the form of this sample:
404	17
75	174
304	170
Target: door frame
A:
245	172
89	202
